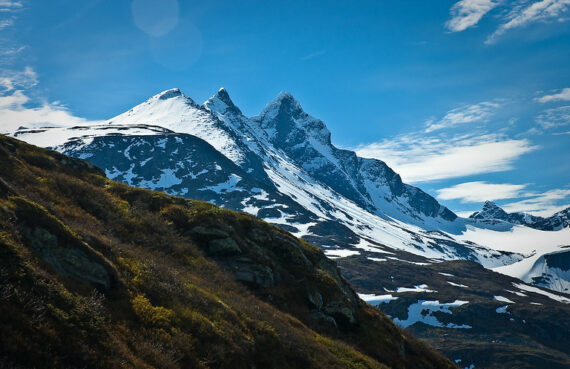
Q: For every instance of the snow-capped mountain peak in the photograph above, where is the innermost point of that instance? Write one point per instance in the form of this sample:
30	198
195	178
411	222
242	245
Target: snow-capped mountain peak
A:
490	210
167	94
281	166
221	103
286	123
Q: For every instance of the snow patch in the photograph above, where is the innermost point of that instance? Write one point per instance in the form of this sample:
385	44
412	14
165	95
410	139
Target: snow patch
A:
376	300
418	288
423	310
503	299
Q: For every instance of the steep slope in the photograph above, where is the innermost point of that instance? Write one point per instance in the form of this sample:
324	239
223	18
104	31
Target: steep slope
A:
99	274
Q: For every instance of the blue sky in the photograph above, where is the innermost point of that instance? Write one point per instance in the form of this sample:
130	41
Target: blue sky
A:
469	100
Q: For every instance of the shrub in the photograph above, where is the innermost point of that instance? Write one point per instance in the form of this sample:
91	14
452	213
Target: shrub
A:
151	315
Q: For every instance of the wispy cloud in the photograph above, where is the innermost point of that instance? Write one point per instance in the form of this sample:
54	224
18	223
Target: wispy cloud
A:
10	80
467	13
7	8
14	109
418	158
542	204
480	191
466	114
543	10
556	117
10	5
514	14
564	95
5	23
313	55
537	203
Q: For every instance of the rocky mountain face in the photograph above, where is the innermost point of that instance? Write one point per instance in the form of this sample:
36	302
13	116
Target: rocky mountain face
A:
493	213
279	165
369	183
95	273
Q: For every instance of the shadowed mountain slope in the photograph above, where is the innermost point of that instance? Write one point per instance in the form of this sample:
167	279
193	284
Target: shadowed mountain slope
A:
98	274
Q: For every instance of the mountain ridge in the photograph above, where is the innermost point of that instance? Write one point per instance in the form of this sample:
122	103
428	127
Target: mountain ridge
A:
492	212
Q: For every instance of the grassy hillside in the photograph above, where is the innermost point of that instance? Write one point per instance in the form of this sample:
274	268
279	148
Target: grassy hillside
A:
94	273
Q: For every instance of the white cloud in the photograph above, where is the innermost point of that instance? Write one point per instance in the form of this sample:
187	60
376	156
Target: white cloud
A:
14	109
557	117
14	113
542	10
6	9
466	114
8	6
543	204
564	94
10	80
15	100
419	158
467	13
480	191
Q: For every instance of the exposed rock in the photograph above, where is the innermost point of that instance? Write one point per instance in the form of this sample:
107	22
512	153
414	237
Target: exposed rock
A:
70	262
316	300
340	311
252	273
208	232
294	252
317	315
223	247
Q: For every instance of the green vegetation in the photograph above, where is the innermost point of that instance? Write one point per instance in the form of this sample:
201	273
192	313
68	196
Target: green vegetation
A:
94	273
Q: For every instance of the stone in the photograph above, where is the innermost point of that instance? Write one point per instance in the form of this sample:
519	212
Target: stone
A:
208	232
223	247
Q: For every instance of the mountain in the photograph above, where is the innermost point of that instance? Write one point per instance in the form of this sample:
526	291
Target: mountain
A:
281	166
285	170
492	213
99	274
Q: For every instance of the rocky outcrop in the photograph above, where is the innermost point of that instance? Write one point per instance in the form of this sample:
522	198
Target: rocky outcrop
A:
273	264
62	250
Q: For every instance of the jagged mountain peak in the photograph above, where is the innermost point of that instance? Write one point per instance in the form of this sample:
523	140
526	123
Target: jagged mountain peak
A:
490	210
221	103
283	103
490	205
285	121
